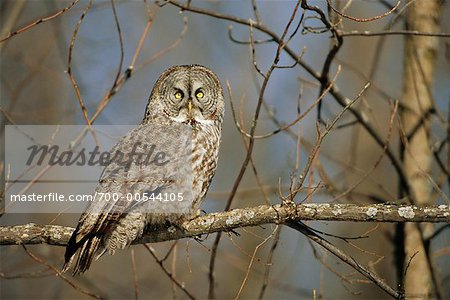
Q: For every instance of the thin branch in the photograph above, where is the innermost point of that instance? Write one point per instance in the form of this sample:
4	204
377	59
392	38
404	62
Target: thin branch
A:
132	69
379	159
296	120
141	40
39	21
251	262
276	239
253	165
345	258
256	12
322	135
363	19
392	32
69	64
122	51
135	277
60	274
169	274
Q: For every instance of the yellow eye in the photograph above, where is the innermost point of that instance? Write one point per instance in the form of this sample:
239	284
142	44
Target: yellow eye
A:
199	95
178	95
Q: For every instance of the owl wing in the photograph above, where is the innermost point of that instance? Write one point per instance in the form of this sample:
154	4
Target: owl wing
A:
121	179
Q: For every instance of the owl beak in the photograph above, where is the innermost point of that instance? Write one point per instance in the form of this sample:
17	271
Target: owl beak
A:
189	107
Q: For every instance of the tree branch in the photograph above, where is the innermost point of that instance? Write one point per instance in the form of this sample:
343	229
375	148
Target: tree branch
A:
244	217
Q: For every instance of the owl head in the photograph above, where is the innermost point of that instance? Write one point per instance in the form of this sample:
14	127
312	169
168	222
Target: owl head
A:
189	94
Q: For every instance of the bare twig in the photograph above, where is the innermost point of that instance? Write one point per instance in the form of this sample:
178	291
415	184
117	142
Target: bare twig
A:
321	135
345	258
251	262
392	32
276	239
380	157
60	274
135	277
363	19
169	274
69	65
296	120
39	21
119	33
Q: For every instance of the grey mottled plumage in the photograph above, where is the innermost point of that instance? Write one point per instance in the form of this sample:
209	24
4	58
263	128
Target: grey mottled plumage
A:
185	99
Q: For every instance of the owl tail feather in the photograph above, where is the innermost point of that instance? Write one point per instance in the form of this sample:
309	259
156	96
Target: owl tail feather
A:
88	250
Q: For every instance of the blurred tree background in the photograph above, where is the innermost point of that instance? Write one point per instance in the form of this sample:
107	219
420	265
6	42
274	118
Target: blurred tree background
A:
36	88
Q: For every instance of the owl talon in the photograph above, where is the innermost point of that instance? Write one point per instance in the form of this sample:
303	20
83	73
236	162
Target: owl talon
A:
199	238
234	232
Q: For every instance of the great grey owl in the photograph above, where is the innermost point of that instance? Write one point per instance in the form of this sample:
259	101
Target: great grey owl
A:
184	114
